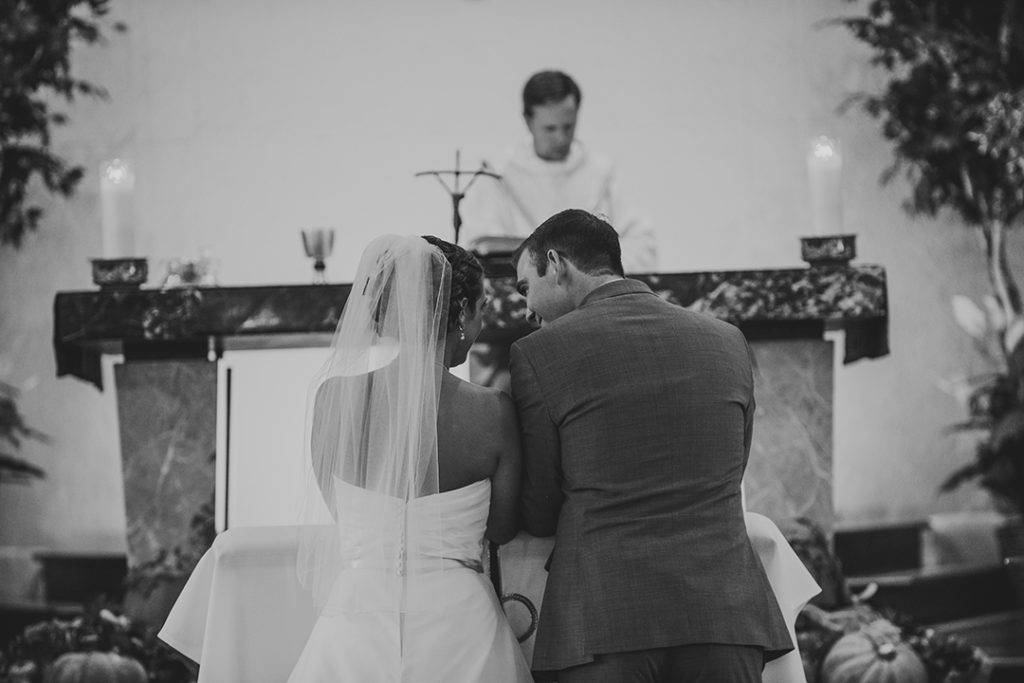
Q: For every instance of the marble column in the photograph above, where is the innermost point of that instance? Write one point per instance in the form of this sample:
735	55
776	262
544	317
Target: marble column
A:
167	411
789	473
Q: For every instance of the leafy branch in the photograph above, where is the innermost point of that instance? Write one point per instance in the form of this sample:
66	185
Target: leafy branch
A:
13	430
36	41
953	109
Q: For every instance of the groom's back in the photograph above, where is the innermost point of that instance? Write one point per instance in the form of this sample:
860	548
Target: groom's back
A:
638	386
653	406
644	385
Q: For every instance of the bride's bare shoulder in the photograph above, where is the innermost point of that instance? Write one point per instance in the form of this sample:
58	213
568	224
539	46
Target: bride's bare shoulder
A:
482	401
480	393
477	422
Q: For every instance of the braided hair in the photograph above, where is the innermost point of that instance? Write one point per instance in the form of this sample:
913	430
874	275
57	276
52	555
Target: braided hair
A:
467	278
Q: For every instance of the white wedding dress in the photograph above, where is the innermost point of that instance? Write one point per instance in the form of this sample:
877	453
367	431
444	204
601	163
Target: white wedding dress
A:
446	626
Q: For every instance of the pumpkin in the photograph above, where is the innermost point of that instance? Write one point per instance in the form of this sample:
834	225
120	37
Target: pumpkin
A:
874	654
94	667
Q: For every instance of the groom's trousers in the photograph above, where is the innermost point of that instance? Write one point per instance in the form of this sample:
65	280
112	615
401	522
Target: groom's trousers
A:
702	663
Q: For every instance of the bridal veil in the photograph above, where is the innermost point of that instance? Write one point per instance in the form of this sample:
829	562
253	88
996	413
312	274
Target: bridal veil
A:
371	446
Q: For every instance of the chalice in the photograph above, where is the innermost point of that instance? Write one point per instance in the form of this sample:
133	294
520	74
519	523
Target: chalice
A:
318	243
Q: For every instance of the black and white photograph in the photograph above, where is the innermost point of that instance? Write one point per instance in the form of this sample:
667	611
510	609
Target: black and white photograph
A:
494	341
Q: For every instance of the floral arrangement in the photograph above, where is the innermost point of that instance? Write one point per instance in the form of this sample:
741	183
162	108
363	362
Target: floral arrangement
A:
946	658
836	612
99	629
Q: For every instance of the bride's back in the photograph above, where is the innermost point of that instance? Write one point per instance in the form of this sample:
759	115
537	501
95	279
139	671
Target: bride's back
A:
469	431
472	428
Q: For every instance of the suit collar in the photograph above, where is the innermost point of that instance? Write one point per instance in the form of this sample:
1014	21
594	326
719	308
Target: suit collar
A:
613	289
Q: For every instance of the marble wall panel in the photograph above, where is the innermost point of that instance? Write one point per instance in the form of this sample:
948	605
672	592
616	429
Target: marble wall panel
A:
168	421
789	473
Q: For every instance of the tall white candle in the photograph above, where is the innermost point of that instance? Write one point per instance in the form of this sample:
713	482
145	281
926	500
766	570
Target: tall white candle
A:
117	208
825	170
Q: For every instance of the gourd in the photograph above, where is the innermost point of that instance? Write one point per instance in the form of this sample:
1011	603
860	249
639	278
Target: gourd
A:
94	667
874	654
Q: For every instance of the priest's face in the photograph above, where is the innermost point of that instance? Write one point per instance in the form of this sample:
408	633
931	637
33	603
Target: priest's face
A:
553	127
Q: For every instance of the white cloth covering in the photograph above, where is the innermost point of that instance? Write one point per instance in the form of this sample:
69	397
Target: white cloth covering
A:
531	190
793	586
244	617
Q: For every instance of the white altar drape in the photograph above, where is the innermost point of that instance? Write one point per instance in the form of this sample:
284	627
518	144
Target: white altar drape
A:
244	617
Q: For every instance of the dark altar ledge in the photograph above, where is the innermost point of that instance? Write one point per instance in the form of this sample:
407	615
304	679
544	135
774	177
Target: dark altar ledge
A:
197	321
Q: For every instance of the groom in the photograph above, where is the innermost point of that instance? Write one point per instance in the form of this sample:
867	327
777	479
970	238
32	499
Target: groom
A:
636	419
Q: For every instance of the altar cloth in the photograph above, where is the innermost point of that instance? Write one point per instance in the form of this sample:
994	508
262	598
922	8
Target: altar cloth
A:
196	321
243	616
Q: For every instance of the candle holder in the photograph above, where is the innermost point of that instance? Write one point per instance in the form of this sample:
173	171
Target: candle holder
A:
828	250
318	244
119	273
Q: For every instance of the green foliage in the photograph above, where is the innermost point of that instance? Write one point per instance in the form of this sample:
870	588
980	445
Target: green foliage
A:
998	466
13	430
36	41
995	407
953	105
953	109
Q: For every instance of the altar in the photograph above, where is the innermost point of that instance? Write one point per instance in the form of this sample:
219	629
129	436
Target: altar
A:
185	381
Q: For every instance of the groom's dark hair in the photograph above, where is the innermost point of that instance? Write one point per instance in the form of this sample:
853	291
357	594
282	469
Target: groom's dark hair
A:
590	242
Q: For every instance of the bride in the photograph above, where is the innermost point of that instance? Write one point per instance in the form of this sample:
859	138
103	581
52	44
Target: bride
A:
412	468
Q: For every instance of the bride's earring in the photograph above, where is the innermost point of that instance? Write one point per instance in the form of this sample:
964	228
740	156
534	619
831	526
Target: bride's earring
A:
462	333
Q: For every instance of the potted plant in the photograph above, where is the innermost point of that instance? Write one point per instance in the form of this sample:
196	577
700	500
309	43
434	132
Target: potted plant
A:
995	404
953	109
36	40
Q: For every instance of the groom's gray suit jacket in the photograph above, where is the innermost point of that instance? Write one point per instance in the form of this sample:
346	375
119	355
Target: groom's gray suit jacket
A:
636	417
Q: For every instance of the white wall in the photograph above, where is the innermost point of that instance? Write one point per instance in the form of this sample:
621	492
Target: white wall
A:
249	119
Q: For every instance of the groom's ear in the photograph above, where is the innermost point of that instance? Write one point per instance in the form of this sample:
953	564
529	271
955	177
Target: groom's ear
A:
558	264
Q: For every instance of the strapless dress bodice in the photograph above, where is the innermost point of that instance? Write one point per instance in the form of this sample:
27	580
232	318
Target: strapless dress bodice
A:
409	602
381	532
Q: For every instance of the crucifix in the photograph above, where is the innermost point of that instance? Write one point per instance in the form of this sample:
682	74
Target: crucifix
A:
454	191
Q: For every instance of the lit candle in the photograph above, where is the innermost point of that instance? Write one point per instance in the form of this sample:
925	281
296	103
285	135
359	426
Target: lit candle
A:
824	170
117	190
